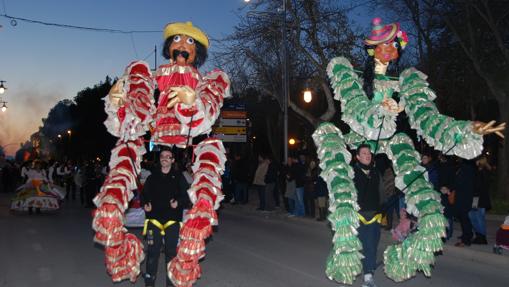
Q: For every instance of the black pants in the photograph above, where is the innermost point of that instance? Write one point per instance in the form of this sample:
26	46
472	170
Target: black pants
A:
154	243
466	226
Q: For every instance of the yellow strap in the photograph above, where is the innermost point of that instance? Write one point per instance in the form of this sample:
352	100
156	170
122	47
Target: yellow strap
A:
376	218
158	224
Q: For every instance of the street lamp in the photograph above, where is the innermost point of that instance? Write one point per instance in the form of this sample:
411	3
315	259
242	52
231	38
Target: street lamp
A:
291	141
4	107
308	96
2	87
69	132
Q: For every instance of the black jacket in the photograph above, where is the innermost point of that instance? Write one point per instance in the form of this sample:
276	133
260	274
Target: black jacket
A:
369	190
159	190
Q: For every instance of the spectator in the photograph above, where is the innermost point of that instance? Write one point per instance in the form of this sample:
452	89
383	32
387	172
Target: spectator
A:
309	188
446	176
240	179
481	201
464	185
259	180
270	184
321	193
298	173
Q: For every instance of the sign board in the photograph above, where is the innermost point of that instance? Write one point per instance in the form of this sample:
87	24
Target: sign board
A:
230	130
228	114
232	138
232	122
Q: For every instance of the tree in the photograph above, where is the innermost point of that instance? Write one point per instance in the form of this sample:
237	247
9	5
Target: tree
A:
480	27
316	32
83	135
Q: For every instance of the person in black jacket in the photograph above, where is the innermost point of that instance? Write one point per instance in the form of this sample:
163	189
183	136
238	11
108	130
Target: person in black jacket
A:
164	197
367	181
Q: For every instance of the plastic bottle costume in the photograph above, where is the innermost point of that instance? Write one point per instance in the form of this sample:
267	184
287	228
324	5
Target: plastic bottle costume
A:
373	121
188	105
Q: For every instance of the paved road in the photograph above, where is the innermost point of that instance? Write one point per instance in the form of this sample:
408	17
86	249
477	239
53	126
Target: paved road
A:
248	249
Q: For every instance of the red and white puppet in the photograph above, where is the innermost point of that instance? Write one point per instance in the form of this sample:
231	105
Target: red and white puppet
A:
188	105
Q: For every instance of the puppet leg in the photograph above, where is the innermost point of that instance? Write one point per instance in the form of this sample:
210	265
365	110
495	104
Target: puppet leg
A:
416	252
129	107
344	261
205	194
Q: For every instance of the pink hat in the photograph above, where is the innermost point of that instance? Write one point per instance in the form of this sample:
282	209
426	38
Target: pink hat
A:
381	34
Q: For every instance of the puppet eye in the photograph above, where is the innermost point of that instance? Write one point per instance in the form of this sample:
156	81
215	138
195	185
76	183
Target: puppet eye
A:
177	38
190	41
395	44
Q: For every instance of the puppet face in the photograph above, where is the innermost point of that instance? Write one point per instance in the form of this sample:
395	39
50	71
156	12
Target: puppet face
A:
183	50
387	52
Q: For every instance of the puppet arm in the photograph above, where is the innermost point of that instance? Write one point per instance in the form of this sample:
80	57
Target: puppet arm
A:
442	132
130	103
368	118
201	115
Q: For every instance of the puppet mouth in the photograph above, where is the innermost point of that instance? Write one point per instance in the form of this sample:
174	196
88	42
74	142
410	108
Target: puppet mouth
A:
183	54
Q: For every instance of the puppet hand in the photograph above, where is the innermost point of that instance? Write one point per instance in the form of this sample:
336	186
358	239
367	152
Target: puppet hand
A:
483	128
117	94
148	207
174	203
391	106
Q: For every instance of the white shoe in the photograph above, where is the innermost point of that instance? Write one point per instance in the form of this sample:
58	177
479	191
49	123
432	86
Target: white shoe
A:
369	283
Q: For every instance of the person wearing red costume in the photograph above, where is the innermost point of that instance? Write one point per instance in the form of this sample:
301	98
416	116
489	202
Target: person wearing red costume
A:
188	104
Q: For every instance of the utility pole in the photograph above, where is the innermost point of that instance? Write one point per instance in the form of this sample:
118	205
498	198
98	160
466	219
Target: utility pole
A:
285	87
155	57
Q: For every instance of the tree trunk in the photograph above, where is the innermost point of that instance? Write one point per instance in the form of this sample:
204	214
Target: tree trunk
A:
274	136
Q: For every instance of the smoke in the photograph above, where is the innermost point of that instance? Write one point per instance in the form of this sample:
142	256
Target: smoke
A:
26	108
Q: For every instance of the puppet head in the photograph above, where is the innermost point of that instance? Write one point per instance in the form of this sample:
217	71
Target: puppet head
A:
185	44
385	41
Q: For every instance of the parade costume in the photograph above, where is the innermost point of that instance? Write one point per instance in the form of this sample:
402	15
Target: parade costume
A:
373	121
37	194
188	105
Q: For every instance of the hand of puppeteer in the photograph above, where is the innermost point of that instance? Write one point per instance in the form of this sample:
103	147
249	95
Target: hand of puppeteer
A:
147	207
488	128
182	94
117	94
174	203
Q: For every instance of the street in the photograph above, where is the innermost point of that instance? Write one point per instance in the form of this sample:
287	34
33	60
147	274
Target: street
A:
248	249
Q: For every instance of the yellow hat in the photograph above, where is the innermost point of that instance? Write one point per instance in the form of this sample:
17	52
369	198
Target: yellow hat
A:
187	29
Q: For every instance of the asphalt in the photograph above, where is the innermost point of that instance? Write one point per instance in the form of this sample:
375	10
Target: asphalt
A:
474	252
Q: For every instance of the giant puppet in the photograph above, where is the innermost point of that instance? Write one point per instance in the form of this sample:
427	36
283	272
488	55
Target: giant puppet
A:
188	105
370	109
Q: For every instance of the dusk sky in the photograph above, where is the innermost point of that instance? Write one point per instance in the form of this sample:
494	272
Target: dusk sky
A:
45	64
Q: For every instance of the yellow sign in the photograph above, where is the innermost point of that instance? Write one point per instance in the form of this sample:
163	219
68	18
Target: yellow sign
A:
229	130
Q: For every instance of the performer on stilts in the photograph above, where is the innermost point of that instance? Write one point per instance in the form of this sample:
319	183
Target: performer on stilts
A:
38	194
370	110
189	103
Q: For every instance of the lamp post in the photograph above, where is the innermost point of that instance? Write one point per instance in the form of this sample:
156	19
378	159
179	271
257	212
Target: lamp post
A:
285	87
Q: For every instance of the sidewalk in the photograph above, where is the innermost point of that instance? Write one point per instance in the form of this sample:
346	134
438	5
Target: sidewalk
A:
478	253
